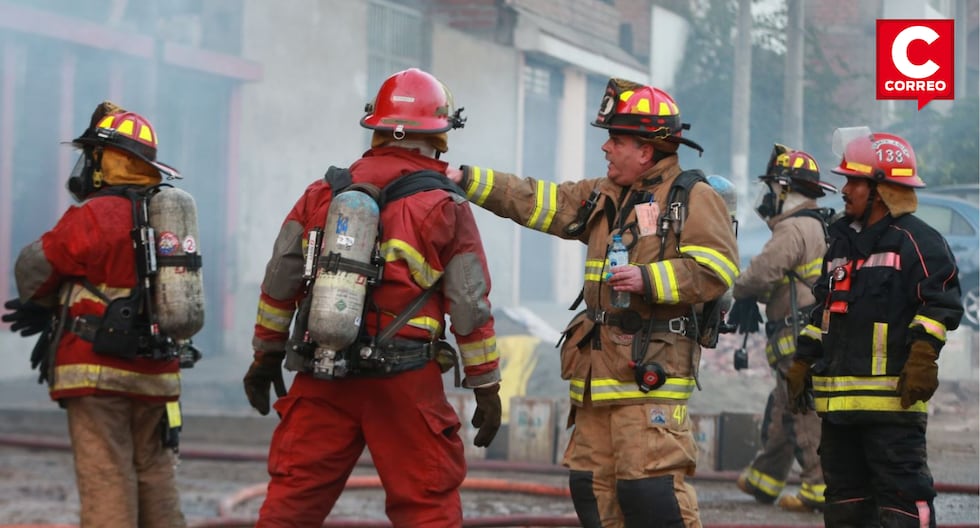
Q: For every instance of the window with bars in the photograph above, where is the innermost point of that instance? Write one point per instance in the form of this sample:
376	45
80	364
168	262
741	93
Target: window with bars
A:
398	38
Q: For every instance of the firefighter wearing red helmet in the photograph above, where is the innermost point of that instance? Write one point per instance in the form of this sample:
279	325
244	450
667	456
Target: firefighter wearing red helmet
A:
388	398
781	277
631	370
118	404
887	296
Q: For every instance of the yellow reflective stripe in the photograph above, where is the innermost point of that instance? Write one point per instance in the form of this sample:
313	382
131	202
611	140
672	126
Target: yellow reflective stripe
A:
545	206
813	332
766	483
593	270
784	346
430	324
85	376
858	167
931	326
813	492
900	171
879	349
479	187
855	383
607	389
275	319
479	352
844	403
174	419
423	274
810	269
715	261
664	282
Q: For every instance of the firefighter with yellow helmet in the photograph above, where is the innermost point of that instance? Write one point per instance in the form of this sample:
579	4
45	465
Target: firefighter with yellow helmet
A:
781	276
887	296
384	390
631	370
118	381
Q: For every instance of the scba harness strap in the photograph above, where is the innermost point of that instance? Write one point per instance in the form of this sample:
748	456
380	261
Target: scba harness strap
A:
382	354
128	327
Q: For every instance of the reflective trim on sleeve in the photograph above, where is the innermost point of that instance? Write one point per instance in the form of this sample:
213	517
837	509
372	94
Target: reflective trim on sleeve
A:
423	274
479	352
275	319
664	282
545	206
479	186
86	376
715	261
809	270
593	270
931	326
782	347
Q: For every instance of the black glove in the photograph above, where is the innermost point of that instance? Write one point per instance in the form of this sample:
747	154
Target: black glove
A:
28	318
745	315
265	372
487	414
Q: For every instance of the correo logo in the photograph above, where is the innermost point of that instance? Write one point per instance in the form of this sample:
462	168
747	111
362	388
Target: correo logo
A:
914	60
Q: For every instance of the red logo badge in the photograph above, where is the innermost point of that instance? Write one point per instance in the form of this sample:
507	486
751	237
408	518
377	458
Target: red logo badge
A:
914	60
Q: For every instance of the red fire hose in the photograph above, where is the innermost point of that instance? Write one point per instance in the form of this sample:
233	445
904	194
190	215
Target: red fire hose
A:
226	506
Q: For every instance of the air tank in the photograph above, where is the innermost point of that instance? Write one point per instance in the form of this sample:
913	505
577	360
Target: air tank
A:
338	295
178	287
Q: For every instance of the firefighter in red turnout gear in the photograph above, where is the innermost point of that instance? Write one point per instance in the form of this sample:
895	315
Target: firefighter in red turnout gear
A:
117	405
886	298
428	240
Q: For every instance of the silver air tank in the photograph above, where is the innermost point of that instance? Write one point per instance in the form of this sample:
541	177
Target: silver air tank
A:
337	306
178	288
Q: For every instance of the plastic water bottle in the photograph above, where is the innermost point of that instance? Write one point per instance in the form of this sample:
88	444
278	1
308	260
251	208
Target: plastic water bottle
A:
618	256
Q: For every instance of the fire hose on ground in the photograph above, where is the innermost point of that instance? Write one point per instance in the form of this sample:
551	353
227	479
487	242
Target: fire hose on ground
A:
226	507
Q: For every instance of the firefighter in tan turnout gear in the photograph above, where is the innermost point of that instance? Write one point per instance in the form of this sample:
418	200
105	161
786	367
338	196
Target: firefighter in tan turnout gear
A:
781	276
103	357
631	370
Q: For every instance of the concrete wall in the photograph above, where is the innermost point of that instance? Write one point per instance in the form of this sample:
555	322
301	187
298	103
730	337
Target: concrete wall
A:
303	116
485	81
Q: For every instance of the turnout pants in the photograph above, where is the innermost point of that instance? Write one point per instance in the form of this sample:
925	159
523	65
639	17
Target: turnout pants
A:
125	476
786	437
877	476
628	465
404	420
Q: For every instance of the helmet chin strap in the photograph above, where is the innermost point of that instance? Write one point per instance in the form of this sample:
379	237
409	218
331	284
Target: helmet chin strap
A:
872	192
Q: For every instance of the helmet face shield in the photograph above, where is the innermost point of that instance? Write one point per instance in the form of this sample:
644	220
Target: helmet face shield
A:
844	136
766	200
